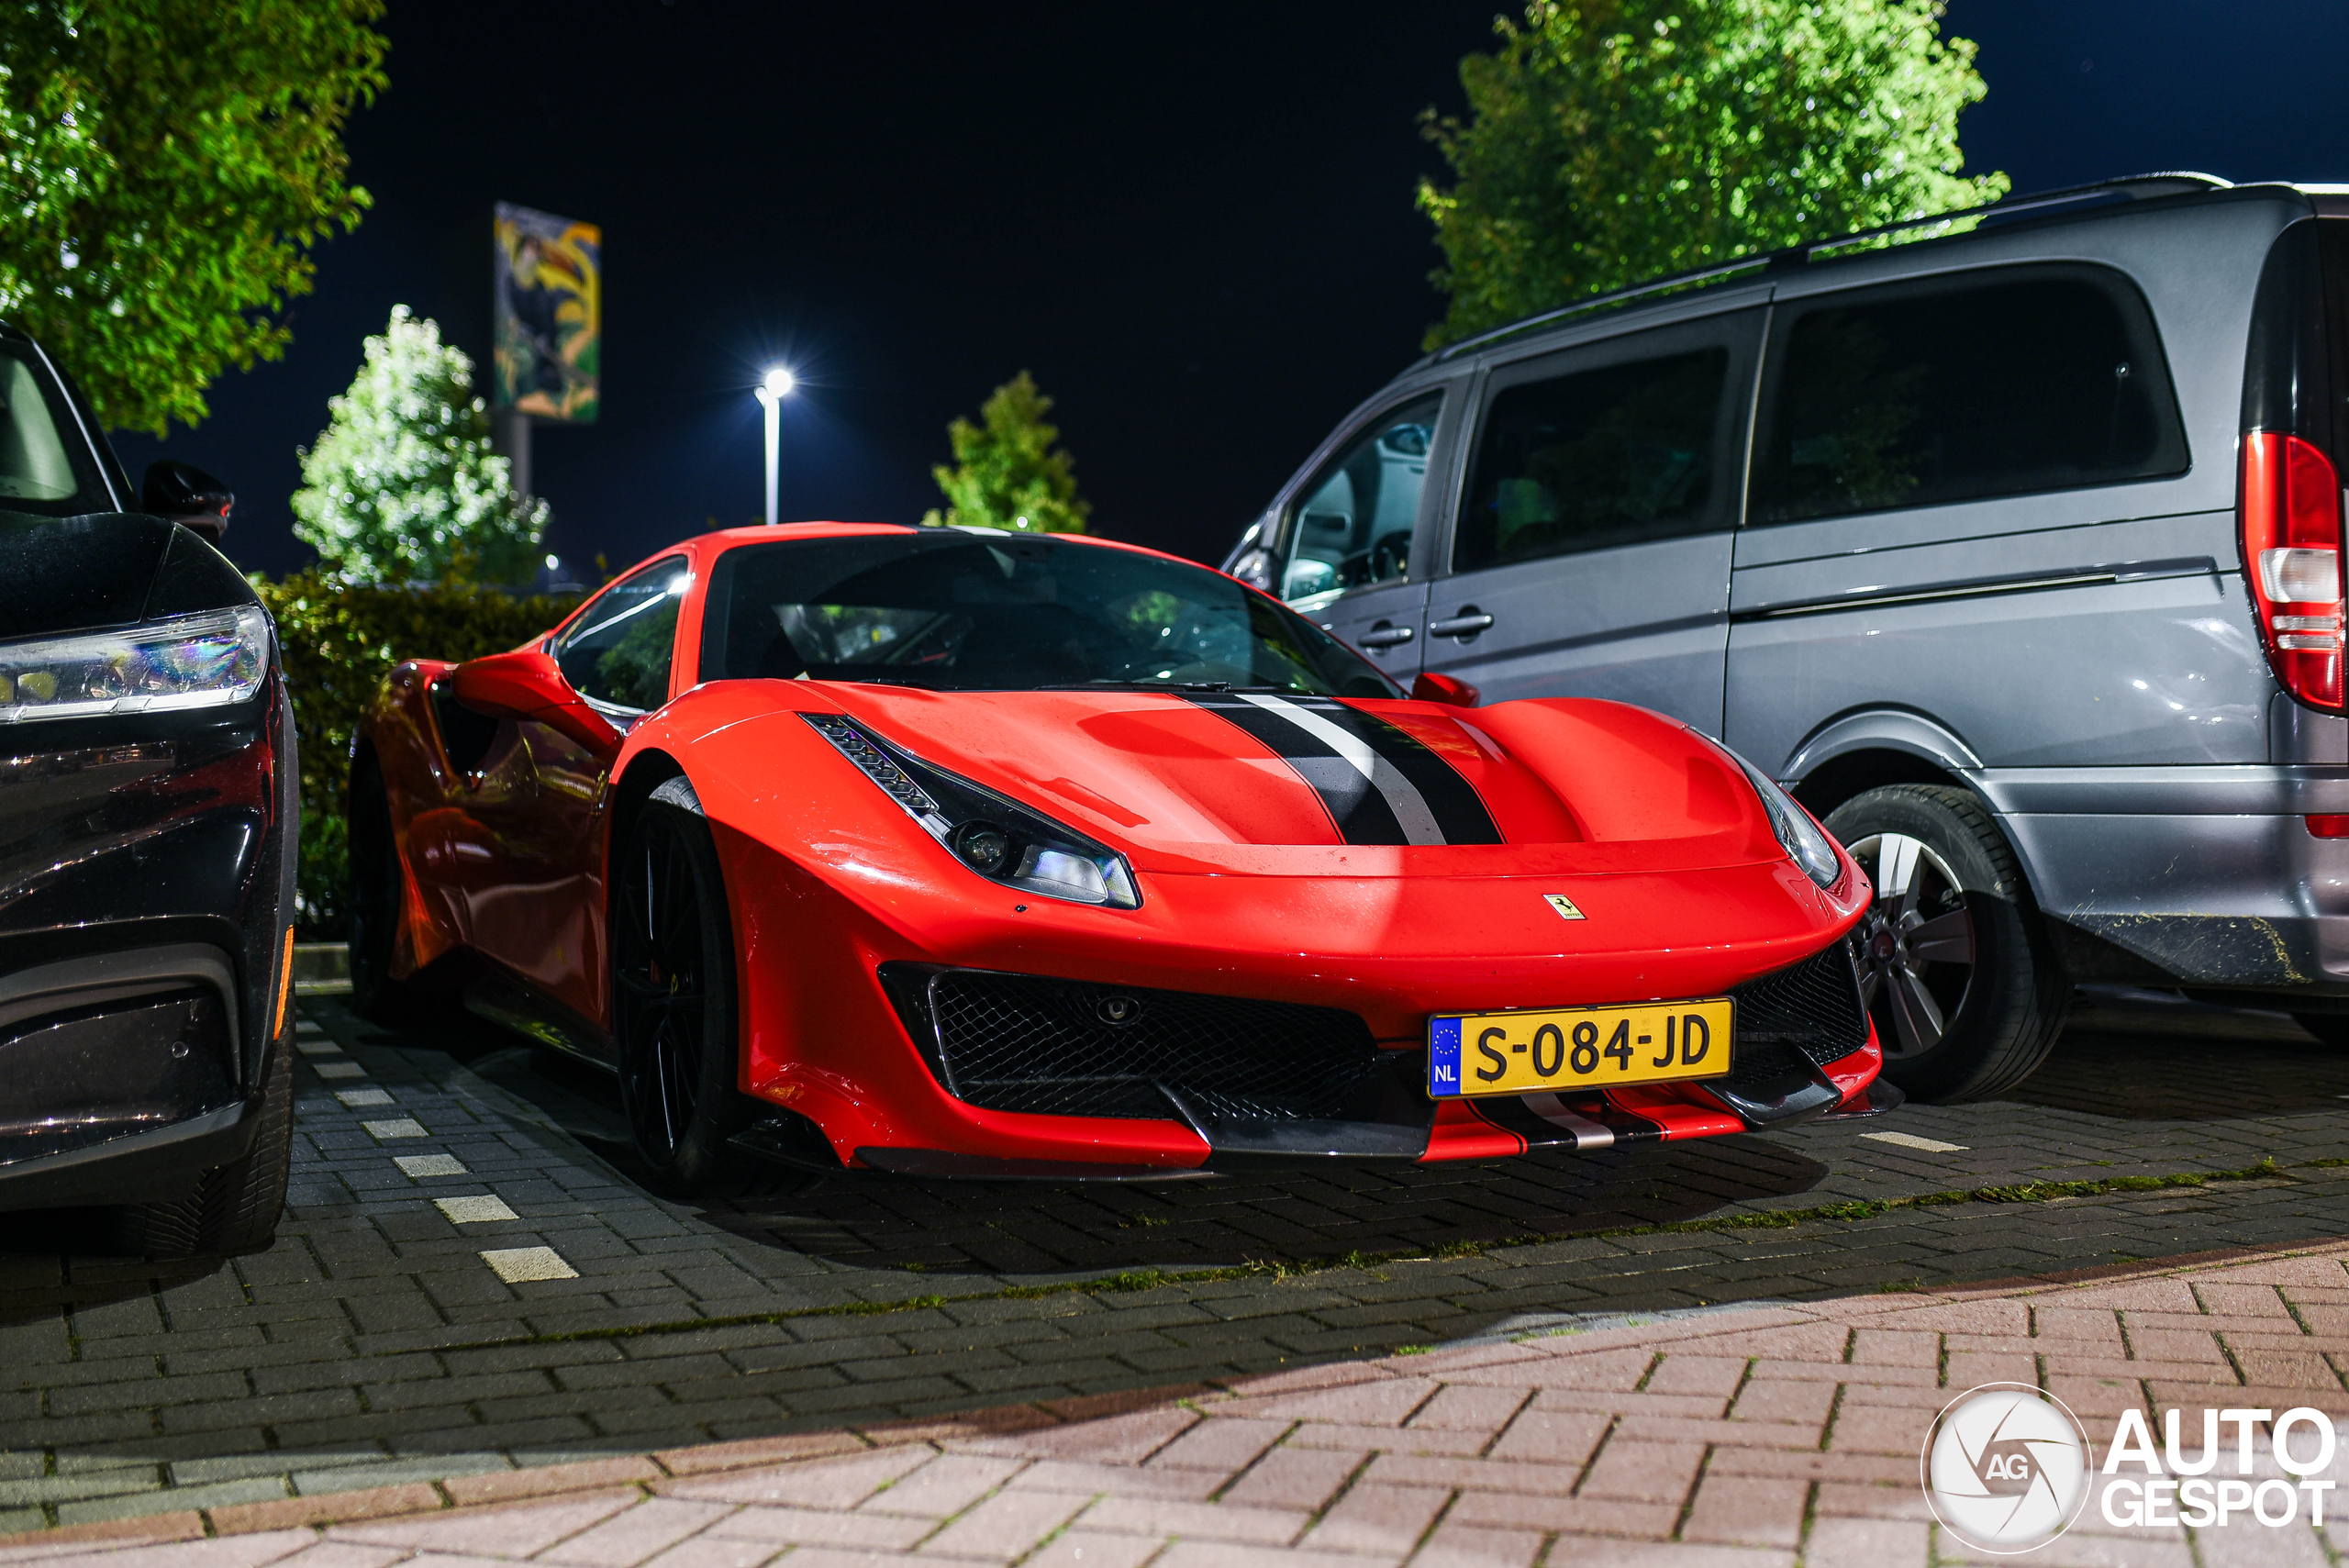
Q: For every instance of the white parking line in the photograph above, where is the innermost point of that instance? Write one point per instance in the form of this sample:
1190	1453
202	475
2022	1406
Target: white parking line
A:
517	1264
1930	1145
474	1210
428	1164
403	1127
318	1047
305	1026
339	1070
354	1098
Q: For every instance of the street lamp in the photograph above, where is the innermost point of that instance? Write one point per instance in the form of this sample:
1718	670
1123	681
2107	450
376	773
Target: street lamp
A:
772	392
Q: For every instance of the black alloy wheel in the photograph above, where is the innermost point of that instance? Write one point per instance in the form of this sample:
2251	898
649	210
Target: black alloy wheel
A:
673	1009
1965	993
377	891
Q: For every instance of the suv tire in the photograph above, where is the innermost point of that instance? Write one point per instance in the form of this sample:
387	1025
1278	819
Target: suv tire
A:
1966	992
235	1207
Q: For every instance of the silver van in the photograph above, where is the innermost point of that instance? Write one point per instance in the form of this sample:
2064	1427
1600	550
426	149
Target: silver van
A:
2015	552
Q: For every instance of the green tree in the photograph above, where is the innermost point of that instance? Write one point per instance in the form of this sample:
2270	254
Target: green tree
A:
165	168
1616	140
1007	473
402	485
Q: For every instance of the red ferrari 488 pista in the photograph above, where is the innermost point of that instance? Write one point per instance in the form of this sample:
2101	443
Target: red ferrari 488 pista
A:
950	851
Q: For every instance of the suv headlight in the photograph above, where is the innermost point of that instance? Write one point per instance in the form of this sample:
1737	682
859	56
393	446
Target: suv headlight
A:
1804	838
991	834
200	661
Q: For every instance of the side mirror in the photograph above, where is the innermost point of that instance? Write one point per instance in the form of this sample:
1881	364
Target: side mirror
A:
1449	690
186	494
528	684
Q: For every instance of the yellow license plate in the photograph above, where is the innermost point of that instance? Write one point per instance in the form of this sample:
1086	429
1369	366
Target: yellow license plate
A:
1577	1049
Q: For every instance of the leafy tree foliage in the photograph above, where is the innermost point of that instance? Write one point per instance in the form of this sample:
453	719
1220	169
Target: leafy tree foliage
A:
165	168
1008	473
402	485
1615	141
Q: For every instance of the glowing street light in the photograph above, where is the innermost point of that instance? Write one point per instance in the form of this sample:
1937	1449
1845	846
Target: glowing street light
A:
770	393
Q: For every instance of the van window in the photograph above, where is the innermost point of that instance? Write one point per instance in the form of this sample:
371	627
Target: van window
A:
1353	522
1916	395
1609	456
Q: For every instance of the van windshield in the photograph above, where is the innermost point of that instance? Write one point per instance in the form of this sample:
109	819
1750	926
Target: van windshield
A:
954	609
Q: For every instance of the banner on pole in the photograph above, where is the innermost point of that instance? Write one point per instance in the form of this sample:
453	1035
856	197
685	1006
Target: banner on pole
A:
547	316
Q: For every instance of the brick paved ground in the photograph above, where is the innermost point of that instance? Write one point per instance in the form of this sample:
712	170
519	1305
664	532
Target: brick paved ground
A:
379	1342
1750	1436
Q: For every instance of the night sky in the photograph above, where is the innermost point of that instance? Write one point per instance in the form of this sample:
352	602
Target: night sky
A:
1192	225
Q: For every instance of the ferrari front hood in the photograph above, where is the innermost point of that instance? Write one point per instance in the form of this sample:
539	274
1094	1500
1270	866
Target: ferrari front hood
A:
1239	781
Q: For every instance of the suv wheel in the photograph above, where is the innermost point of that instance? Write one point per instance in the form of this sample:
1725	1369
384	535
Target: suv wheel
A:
234	1209
1966	996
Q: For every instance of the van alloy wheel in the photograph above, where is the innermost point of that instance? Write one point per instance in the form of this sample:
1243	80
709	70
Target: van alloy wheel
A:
1964	990
1916	944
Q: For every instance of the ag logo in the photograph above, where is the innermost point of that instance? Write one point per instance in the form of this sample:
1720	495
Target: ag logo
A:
2005	1468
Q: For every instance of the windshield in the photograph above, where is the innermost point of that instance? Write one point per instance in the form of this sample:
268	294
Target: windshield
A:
957	610
44	467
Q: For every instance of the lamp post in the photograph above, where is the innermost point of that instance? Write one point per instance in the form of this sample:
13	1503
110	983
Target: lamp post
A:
772	392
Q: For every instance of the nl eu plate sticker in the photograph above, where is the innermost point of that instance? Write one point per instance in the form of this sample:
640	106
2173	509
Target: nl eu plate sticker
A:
1443	1056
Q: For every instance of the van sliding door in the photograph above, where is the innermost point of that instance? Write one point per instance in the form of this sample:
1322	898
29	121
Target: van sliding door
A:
1590	556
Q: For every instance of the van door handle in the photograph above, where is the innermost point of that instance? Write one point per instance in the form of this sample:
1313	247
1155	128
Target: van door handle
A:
1463	626
1387	634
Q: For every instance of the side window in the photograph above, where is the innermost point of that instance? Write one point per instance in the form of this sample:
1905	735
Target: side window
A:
618	652
1612	455
1352	523
1987	385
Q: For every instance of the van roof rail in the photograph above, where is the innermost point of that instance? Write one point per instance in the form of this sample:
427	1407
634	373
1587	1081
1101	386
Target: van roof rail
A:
2125	187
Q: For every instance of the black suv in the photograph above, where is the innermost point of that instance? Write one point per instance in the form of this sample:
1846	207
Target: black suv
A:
148	811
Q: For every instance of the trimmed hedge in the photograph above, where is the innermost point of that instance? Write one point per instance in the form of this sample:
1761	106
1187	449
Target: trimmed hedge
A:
340	640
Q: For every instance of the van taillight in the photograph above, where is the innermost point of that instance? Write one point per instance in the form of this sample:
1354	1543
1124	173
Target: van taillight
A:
2291	555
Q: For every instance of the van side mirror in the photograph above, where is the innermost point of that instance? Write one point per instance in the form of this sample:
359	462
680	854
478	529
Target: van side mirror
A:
1449	690
186	494
528	684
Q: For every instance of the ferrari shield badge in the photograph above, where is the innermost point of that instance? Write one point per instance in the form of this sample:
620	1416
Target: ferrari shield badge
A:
1563	906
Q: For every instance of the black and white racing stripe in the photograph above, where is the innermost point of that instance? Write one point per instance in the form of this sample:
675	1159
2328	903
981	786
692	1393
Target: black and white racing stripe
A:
1547	1122
1380	785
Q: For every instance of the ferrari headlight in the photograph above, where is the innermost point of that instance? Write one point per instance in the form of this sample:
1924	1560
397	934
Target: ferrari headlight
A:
1804	838
993	834
199	660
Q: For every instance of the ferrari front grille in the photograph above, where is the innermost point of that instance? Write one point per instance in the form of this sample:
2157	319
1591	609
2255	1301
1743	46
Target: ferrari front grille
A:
1020	1042
1808	1010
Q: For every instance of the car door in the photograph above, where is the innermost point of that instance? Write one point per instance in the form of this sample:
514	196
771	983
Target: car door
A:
1590	552
545	805
1354	536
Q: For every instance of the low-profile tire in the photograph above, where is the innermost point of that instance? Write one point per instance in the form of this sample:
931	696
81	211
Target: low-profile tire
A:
2331	1028
1965	989
235	1207
378	895
674	1011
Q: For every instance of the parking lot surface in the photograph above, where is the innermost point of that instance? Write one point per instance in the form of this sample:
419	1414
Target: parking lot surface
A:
467	1282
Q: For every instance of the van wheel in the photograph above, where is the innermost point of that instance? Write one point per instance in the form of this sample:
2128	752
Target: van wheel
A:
1965	993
